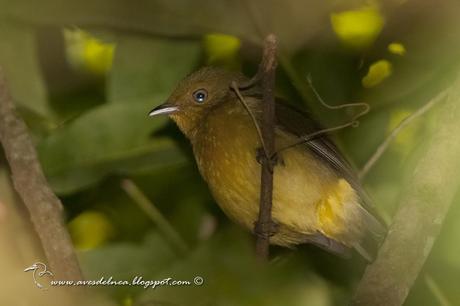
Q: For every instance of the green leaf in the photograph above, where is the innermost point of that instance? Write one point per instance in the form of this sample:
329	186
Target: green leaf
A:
18	58
114	138
124	261
233	276
148	69
231	273
109	139
293	21
161	17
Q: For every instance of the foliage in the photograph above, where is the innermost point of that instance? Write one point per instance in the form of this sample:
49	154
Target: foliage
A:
86	73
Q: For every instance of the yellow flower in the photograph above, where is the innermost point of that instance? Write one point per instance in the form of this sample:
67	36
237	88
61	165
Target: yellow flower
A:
358	28
87	53
397	48
90	229
378	71
222	49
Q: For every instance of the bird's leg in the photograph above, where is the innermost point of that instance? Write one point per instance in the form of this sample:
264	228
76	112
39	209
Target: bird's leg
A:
266	229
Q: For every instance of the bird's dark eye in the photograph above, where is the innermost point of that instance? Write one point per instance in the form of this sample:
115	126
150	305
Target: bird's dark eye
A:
200	95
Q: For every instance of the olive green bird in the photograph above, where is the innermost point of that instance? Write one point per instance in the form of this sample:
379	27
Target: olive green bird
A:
317	198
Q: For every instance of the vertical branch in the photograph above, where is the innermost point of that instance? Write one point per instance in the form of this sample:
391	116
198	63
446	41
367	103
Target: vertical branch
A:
267	70
44	207
264	227
426	199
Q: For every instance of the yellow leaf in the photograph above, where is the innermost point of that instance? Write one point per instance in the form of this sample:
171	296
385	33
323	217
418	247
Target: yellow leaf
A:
90	229
222	49
397	48
87	53
378	72
359	28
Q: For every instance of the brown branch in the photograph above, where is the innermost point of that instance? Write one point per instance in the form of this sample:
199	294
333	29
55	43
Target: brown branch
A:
425	201
267	70
384	145
44	207
264	226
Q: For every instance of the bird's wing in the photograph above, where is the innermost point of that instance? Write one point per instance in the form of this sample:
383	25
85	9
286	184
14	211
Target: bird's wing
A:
301	124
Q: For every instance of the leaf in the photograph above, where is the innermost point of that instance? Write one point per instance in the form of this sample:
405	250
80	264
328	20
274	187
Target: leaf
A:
108	139
125	260
232	276
114	138
447	249
148	69
18	57
231	273
295	22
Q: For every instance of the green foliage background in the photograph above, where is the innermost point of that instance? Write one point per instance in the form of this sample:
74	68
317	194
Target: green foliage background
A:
92	132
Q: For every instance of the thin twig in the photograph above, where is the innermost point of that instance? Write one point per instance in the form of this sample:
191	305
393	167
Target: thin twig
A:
353	122
236	87
44	207
298	84
155	215
424	204
384	145
436	291
366	107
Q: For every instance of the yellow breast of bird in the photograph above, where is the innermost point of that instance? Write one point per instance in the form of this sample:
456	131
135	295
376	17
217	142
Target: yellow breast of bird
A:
308	196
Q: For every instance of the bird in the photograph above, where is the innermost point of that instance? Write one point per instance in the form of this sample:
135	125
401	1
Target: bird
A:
35	268
317	196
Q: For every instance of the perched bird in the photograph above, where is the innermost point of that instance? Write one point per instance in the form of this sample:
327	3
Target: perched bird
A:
317	198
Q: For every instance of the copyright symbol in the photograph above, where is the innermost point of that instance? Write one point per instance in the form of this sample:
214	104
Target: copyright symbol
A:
198	280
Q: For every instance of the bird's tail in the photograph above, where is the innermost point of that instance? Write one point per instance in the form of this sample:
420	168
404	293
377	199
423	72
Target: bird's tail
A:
374	232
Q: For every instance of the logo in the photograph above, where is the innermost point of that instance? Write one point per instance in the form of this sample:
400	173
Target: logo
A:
39	271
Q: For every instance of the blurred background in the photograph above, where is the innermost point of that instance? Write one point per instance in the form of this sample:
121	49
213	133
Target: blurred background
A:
84	75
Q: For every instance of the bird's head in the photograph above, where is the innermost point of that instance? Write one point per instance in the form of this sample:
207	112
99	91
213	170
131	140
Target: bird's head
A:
196	95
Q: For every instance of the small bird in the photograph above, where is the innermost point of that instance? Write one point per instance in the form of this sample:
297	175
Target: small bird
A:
317	197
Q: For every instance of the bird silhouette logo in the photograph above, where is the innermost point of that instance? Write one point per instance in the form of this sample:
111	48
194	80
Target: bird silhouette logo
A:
39	271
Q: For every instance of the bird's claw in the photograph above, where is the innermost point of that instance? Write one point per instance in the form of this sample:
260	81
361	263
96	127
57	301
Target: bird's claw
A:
266	229
261	157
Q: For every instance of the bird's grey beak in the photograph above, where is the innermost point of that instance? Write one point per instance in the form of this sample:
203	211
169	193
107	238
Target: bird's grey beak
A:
163	109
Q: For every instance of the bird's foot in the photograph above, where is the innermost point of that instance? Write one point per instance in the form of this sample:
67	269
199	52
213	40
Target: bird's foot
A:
266	229
261	157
